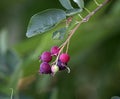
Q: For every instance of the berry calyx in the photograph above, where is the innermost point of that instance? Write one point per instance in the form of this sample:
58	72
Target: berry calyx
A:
46	57
64	58
45	68
55	50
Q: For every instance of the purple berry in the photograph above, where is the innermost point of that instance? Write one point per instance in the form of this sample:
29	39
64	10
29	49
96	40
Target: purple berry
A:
62	66
46	57
64	58
45	68
55	50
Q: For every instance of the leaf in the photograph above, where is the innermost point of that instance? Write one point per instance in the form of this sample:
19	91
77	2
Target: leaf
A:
80	3
59	34
44	21
73	11
66	4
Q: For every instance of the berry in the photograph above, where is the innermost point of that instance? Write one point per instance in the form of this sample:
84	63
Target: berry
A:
55	50
64	58
62	66
54	69
46	57
45	68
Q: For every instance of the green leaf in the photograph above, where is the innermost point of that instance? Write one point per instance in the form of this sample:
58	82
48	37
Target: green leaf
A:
59	34
66	4
80	3
44	21
73	11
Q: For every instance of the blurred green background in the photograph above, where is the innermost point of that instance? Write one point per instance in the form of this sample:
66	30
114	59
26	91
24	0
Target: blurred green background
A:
94	51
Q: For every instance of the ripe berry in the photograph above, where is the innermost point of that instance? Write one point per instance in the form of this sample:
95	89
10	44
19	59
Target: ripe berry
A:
62	66
55	50
46	57
45	68
64	58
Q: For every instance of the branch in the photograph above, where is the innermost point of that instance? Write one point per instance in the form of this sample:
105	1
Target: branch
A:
85	19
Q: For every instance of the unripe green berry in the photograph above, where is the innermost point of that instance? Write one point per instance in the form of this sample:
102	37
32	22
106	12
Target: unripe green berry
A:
54	69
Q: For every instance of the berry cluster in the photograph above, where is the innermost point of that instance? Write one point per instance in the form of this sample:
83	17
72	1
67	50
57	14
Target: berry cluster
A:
59	64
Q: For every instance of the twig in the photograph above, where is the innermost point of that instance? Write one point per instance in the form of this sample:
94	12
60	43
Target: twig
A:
67	47
85	19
